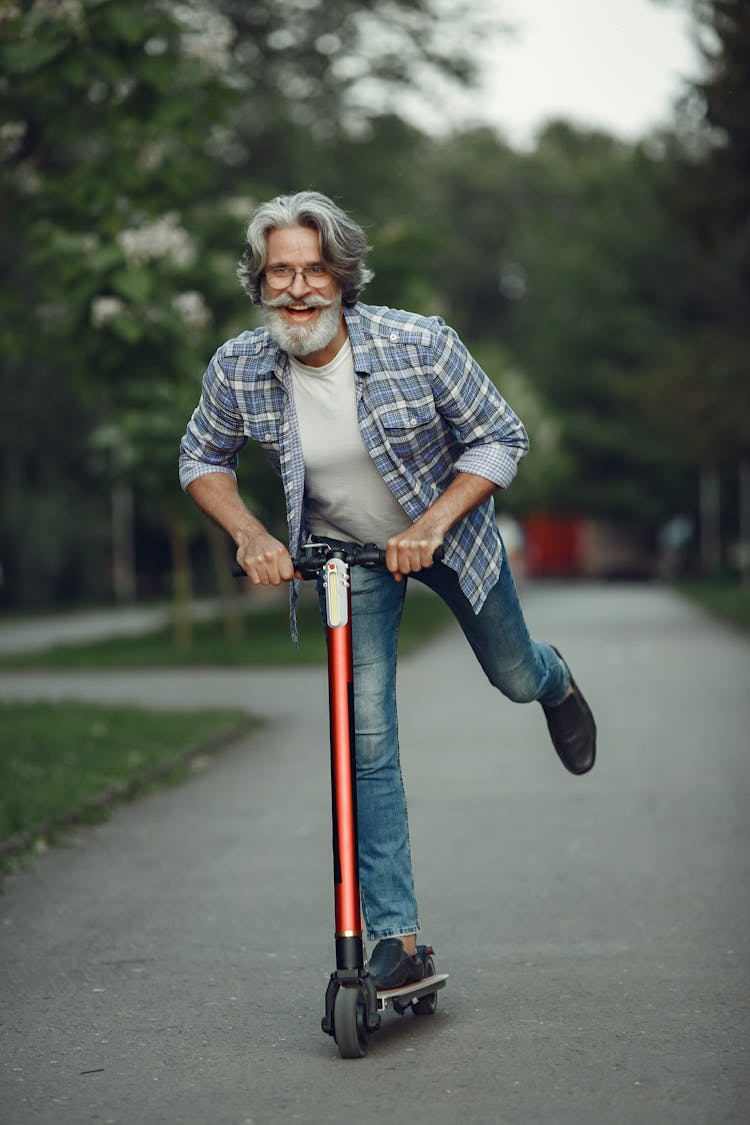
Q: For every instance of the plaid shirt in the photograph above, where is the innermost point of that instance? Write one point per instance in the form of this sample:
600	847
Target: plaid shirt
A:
426	411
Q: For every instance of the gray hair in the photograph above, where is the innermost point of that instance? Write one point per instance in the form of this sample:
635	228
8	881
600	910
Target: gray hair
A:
342	242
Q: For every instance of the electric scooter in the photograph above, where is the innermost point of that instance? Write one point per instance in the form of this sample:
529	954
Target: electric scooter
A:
353	1005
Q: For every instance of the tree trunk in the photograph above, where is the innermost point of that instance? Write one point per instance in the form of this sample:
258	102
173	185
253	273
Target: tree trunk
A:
222	559
123	544
710	520
182	577
743	545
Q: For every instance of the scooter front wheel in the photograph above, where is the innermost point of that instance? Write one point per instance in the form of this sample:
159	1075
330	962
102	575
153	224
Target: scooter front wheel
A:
350	1023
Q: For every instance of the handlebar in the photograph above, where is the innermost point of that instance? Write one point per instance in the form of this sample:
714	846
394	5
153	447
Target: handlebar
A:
314	557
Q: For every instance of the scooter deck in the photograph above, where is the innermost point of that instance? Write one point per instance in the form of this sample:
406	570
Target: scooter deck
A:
411	992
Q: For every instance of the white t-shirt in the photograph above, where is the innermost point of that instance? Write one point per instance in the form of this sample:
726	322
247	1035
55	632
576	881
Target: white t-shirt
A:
345	496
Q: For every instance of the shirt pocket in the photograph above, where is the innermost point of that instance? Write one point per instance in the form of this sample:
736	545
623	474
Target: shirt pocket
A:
409	426
265	430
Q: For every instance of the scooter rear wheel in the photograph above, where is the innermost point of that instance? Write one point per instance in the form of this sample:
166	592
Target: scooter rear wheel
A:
349	1023
427	1004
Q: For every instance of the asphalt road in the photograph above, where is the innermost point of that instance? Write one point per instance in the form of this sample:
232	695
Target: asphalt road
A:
169	967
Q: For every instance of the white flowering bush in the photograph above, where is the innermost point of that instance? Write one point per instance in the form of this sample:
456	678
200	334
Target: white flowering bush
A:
207	36
106	309
163	238
192	309
11	137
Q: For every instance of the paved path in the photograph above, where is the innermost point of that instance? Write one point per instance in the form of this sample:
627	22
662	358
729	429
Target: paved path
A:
32	634
169	966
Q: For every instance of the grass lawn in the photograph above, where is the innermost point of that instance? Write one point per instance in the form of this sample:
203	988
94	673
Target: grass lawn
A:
725	599
70	762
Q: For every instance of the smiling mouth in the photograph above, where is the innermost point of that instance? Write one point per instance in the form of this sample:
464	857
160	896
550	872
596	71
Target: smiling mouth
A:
300	312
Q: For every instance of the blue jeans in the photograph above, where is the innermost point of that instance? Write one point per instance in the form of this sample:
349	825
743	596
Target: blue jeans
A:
521	668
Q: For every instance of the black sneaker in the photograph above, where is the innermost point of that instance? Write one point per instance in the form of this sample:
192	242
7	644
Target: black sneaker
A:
573	730
391	966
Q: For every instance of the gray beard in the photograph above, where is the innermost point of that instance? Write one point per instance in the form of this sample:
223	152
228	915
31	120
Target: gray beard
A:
301	340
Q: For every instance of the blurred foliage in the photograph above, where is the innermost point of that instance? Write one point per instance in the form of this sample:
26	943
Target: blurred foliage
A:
603	285
106	127
701	391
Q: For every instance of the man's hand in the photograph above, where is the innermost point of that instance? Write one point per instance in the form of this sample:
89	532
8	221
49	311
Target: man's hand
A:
411	551
264	559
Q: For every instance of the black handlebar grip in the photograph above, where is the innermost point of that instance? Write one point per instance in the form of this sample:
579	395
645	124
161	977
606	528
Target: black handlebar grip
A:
308	568
370	555
302	565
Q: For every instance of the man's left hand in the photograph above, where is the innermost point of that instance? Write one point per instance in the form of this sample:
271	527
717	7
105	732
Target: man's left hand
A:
411	551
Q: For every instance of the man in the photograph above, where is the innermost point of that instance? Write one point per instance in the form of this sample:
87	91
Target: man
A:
383	429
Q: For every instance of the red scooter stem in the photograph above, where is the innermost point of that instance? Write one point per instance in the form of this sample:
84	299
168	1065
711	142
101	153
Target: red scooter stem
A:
343	781
347	909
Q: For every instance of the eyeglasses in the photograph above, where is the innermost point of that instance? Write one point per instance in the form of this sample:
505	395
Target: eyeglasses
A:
281	277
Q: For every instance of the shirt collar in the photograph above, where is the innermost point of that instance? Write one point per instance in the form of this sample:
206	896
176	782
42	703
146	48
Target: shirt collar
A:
361	350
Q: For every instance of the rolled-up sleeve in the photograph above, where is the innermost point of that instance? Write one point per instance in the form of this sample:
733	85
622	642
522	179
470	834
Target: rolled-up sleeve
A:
215	432
493	437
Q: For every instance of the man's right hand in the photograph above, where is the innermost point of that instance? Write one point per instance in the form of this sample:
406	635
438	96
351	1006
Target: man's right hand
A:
265	560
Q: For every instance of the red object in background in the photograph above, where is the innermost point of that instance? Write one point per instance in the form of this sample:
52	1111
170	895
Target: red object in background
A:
554	546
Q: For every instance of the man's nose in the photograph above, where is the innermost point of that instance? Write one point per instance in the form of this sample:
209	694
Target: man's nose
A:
299	284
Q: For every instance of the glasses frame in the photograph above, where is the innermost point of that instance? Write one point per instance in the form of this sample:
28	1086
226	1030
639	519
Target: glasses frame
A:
315	281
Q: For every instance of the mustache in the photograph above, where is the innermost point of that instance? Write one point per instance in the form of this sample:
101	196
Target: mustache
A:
311	302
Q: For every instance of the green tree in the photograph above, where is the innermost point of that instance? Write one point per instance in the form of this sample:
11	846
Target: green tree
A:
701	392
106	126
314	72
568	258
